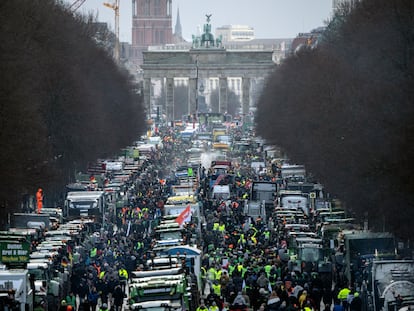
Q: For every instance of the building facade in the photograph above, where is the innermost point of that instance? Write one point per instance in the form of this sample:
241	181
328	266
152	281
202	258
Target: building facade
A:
206	65
235	33
151	25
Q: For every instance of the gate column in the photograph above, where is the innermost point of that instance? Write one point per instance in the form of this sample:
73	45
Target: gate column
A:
147	96
245	95
169	105
223	95
192	89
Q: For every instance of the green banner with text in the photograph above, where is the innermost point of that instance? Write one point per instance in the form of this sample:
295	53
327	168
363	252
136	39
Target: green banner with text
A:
14	252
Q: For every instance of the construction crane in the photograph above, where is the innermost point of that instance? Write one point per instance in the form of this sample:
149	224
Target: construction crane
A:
115	6
76	5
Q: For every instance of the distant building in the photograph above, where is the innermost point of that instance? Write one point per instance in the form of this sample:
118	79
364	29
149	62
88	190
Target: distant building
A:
280	47
230	33
178	32
151	25
178	29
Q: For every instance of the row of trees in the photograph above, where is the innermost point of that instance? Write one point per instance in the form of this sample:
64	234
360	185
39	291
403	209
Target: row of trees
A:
63	100
345	110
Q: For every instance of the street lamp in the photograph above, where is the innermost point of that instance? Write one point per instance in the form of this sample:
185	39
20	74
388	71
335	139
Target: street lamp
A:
196	95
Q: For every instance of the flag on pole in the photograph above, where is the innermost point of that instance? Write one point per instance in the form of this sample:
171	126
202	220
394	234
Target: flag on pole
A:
129	228
184	216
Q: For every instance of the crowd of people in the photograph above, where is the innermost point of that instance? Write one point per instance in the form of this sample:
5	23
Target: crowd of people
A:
245	262
103	263
246	265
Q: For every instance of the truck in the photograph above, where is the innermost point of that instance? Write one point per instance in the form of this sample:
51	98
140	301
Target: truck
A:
255	209
293	172
164	283
192	257
265	192
390	285
219	172
196	215
45	284
221	192
80	204
15	286
292	199
30	220
219	131
309	253
362	245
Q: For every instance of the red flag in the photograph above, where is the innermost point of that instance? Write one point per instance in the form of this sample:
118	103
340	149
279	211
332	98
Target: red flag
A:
185	214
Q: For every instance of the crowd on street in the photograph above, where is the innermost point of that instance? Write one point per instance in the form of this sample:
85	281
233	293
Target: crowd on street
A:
245	263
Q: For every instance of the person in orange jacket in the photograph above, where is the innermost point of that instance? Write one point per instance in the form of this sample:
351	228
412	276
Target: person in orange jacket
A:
39	200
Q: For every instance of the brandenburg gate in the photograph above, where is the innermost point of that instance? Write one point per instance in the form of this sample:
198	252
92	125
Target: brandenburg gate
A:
207	58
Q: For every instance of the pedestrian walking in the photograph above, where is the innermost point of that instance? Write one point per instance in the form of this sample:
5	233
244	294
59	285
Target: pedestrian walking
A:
118	296
93	297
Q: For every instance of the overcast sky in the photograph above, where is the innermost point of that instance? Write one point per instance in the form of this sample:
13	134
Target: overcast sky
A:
269	18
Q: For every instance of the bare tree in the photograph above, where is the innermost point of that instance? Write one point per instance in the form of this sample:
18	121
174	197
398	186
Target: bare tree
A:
63	100
345	111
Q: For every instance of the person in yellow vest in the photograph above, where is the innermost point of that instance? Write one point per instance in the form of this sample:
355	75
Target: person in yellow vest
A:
241	241
307	307
104	307
211	276
93	252
101	275
218	273
202	307
302	299
222	227
216	226
213	307
343	295
253	239
139	246
216	288
267	269
239	267
123	277
266	236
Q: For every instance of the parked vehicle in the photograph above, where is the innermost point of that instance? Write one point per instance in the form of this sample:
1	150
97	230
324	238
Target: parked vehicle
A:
264	192
84	203
291	199
165	282
390	285
15	286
